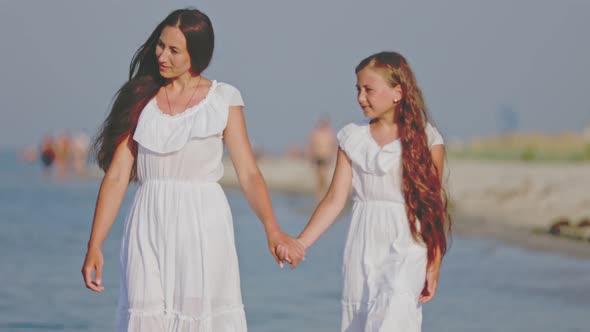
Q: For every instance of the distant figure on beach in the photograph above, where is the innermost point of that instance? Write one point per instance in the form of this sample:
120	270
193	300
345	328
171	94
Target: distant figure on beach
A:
47	152
62	154
79	152
166	129
322	148
397	237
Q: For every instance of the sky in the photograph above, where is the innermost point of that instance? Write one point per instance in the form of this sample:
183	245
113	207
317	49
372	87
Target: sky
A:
63	60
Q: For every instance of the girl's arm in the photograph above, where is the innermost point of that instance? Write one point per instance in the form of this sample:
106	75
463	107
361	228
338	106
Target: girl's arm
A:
112	191
438	158
332	203
253	185
433	269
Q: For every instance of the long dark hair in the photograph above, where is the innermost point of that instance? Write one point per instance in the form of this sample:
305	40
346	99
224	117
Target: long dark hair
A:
426	200
145	80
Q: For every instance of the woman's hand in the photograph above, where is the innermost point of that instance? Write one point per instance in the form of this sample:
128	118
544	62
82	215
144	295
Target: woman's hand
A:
285	248
283	254
93	262
430	285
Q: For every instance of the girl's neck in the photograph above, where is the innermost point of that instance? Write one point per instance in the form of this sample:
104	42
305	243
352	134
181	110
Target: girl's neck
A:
386	119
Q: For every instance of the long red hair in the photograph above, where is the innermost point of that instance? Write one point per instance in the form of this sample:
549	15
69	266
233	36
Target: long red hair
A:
426	200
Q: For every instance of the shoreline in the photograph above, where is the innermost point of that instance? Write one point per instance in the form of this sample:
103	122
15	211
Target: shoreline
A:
496	207
508	201
520	237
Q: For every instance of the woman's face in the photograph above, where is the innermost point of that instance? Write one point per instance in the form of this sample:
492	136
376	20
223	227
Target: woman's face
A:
172	54
374	94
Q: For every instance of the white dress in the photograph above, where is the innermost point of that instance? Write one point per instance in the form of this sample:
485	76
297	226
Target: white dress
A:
384	267
179	268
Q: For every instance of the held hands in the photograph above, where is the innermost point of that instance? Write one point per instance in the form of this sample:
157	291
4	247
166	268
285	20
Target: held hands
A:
285	255
430	285
285	248
94	262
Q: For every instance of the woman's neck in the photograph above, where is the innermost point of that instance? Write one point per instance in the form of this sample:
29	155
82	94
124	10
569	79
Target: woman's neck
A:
184	81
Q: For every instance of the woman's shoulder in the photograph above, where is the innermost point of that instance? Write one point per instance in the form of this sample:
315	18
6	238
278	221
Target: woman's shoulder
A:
229	93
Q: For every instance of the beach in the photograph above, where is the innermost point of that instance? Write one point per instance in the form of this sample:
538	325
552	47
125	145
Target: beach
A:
517	202
46	222
511	201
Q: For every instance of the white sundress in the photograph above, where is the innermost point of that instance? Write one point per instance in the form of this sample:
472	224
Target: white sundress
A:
384	267
179	267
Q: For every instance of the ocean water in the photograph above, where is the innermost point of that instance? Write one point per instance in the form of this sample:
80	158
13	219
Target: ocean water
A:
45	223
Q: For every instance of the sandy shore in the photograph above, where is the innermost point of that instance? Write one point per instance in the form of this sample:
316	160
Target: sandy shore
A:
515	202
520	193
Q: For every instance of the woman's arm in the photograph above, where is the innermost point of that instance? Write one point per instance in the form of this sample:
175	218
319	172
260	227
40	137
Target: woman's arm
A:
332	203
253	185
112	191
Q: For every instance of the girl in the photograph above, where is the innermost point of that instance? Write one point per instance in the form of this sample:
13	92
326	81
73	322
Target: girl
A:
397	238
179	268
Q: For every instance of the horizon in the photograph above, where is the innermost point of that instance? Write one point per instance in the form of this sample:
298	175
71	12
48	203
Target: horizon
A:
484	68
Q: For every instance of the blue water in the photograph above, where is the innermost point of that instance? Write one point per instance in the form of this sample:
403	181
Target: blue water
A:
484	285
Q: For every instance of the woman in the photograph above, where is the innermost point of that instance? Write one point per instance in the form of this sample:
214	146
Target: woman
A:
179	269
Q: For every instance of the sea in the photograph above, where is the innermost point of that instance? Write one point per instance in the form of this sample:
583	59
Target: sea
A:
45	222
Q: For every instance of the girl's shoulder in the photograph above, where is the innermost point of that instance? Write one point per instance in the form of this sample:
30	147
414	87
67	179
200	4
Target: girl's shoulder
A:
433	135
352	130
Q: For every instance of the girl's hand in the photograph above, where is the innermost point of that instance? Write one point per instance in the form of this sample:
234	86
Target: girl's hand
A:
430	285
94	262
283	254
285	248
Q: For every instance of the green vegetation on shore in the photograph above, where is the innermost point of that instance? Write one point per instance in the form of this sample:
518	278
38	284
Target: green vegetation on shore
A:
525	147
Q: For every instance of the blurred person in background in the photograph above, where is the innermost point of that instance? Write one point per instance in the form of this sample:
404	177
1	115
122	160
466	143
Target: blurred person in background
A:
47	153
322	149
79	154
62	154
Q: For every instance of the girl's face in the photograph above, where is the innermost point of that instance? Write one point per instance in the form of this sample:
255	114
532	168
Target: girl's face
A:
172	54
375	95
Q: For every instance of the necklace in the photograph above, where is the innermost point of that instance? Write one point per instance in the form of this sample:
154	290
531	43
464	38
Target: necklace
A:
187	103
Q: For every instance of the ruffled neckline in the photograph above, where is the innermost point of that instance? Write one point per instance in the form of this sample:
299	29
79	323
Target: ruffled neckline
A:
164	133
189	110
372	139
359	145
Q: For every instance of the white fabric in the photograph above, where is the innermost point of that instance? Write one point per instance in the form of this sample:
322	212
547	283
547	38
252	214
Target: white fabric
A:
179	267
384	267
205	119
